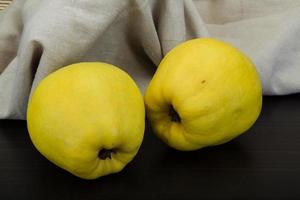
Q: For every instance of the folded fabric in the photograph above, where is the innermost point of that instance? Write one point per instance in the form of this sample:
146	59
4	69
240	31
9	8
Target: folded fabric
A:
38	37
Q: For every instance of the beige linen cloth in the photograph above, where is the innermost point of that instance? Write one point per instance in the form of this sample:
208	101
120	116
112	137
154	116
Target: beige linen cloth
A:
39	36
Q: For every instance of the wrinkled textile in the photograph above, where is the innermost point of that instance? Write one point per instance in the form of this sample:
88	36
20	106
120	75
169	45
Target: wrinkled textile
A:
38	36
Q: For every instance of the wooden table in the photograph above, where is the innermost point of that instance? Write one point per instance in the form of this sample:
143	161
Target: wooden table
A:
263	163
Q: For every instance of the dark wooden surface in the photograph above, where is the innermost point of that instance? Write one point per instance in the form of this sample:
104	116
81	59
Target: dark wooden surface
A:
264	163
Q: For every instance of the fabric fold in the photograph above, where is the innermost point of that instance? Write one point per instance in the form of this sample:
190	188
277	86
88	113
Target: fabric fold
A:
38	37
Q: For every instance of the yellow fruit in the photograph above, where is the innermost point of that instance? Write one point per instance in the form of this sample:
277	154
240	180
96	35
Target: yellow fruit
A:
87	118
205	92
